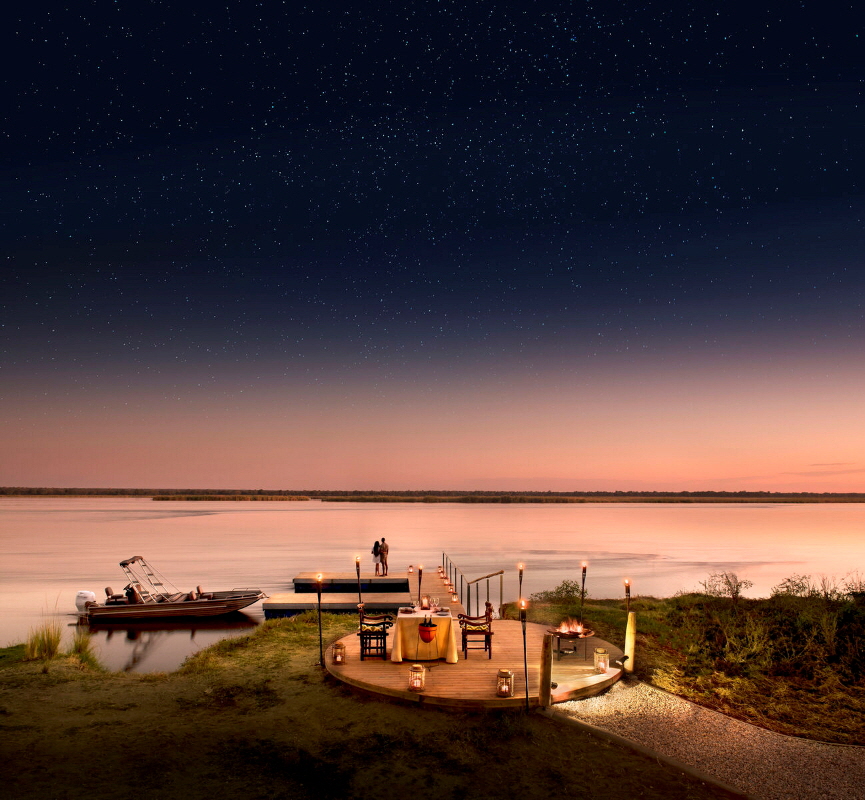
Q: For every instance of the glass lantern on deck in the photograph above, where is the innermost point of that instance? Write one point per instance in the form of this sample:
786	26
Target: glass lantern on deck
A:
602	660
455	598
416	677
337	654
505	683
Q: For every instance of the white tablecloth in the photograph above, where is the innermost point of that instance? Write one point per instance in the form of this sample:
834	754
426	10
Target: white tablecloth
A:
407	642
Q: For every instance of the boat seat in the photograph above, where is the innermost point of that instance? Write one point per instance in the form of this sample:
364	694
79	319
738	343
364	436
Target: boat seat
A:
176	597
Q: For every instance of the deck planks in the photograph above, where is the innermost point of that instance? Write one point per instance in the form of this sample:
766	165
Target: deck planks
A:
470	683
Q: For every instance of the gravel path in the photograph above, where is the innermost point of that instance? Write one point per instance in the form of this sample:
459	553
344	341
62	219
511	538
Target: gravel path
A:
761	763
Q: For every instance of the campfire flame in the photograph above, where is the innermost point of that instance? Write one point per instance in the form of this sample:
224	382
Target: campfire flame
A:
570	626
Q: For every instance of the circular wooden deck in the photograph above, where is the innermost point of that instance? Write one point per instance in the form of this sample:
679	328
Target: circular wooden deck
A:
471	682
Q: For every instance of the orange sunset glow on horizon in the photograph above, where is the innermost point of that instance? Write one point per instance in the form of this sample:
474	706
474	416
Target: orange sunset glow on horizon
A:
666	429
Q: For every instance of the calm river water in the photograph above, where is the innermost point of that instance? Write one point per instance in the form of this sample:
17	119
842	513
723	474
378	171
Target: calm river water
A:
51	548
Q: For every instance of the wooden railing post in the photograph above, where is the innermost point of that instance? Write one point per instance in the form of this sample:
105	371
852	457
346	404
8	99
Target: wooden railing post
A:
545	691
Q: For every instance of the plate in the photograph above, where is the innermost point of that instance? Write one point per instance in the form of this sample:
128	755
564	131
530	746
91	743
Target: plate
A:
443	613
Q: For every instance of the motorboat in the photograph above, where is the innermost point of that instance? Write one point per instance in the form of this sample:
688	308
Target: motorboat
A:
148	595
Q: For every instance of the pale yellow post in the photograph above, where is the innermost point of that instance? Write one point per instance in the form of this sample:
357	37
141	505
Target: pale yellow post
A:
545	693
630	640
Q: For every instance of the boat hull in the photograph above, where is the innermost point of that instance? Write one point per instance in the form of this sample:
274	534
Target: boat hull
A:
221	603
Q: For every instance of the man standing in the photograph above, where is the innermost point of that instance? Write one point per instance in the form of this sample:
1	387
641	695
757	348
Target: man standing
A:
382	551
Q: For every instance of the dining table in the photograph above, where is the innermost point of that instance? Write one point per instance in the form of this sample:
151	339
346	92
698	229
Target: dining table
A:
407	642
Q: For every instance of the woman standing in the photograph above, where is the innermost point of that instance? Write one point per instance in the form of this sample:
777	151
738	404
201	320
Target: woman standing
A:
376	557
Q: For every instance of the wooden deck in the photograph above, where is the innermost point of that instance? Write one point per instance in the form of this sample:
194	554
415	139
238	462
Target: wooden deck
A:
471	683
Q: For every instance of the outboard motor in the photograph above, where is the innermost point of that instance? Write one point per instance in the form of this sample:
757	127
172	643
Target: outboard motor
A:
82	599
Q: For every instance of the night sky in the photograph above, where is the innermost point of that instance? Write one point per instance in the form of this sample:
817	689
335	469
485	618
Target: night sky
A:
447	245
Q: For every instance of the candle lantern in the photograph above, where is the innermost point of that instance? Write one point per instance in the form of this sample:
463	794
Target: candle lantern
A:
424	602
338	653
602	660
505	683
410	569
416	677
455	598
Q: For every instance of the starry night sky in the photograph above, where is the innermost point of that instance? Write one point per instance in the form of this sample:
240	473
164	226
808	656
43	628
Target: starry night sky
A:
447	245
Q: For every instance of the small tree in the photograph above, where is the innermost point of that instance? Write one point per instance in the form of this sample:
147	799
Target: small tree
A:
566	592
794	586
725	584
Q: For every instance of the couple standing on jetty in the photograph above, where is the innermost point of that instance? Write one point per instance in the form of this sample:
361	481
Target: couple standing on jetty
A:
379	556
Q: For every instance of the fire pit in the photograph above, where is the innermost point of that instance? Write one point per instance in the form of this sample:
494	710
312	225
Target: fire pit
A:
570	630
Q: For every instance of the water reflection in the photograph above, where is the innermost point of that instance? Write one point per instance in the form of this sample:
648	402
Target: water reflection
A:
54	547
162	646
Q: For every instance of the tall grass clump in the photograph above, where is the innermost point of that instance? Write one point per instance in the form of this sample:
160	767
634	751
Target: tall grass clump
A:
82	649
43	643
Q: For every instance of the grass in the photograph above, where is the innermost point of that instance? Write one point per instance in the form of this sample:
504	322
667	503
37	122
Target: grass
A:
255	716
82	649
43	643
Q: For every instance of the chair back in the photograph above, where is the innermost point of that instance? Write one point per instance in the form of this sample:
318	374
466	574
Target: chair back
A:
477	624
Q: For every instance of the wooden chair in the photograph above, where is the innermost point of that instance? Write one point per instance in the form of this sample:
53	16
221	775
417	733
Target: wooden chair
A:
373	634
477	630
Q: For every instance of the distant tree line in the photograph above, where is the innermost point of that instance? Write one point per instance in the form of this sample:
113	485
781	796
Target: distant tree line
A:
433	495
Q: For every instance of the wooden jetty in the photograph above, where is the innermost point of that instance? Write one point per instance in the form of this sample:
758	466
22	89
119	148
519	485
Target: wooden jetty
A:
471	682
339	593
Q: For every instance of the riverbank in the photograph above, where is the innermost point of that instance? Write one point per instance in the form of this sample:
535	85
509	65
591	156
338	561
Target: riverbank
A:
788	663
256	717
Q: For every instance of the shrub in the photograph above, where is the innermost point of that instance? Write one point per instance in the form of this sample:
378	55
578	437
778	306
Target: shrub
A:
565	592
725	584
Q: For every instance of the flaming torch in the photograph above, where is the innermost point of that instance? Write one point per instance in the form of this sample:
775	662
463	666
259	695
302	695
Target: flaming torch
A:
583	592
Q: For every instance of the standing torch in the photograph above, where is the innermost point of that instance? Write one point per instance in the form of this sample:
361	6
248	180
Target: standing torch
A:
583	592
419	582
521	568
627	595
525	652
320	638
357	569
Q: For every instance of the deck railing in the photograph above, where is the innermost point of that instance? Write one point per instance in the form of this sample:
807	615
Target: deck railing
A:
465	585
